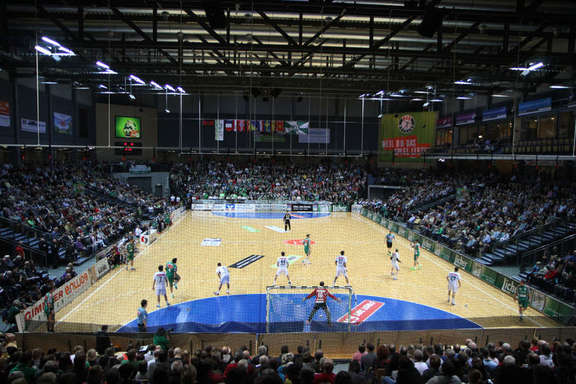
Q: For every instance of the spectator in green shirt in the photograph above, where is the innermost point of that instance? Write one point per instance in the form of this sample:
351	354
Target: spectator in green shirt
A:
161	339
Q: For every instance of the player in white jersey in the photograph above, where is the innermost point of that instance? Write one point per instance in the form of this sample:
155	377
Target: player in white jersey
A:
282	267
341	267
395	259
160	284
224	277
454	283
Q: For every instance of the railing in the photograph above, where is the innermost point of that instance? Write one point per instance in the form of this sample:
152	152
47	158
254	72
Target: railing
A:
38	256
565	245
540	301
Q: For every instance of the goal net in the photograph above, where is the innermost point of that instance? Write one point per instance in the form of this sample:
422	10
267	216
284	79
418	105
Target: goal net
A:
287	311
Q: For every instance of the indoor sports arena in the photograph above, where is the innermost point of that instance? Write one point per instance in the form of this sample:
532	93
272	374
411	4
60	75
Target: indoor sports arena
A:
287	191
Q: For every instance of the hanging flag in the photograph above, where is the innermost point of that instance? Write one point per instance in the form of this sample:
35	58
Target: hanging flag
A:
219	130
297	127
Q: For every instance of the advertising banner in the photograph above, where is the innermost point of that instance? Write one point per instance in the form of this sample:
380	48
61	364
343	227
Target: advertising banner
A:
535	106
4	114
101	268
466	118
219	130
62	123
63	295
405	136
29	125
494	114
444	122
128	127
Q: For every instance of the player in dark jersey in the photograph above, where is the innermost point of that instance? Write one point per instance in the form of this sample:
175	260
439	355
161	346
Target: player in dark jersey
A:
523	297
287	218
321	295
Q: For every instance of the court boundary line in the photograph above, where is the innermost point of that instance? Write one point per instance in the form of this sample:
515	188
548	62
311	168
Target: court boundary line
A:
114	276
430	258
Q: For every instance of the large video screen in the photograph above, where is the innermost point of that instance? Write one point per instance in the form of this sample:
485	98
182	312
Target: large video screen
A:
128	127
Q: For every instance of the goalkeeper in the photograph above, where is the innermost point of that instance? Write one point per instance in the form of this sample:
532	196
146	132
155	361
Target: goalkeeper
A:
321	295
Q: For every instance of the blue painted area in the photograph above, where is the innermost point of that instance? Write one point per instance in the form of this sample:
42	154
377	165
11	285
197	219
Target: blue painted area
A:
271	215
247	313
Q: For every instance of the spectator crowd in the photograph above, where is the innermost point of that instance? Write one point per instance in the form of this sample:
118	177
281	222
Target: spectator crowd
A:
268	180
536	362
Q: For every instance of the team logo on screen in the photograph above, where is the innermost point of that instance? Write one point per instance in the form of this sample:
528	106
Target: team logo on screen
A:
406	124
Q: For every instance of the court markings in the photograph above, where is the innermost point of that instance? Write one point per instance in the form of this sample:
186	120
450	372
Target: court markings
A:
121	269
441	266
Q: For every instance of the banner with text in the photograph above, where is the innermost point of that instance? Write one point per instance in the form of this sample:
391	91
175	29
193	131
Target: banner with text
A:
62	123
4	114
405	136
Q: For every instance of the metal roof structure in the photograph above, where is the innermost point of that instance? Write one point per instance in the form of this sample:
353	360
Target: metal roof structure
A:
339	47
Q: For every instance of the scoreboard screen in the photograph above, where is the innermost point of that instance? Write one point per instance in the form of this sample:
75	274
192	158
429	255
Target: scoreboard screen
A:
128	148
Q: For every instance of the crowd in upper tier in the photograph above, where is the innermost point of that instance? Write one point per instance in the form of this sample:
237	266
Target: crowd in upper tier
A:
536	362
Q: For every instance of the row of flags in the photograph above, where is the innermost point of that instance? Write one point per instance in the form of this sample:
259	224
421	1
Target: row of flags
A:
281	127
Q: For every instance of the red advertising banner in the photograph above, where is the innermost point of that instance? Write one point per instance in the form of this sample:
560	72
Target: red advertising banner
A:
361	312
406	146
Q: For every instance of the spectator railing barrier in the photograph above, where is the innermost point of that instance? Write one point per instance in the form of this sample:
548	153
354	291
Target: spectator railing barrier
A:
335	345
563	246
540	301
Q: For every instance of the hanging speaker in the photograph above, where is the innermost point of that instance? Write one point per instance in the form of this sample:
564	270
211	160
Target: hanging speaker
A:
431	22
215	14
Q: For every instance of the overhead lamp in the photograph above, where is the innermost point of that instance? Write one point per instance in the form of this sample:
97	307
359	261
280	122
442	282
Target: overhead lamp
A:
462	82
422	92
50	41
102	65
155	85
66	51
535	66
169	87
137	79
426	104
102	86
559	86
43	50
166	110
464	98
379	93
396	95
436	100
416	99
181	90
49	82
518	68
132	97
499	95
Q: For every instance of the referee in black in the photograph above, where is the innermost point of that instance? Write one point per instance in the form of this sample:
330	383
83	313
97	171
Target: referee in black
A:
287	218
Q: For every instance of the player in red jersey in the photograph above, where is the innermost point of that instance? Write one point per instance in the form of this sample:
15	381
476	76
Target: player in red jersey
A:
321	295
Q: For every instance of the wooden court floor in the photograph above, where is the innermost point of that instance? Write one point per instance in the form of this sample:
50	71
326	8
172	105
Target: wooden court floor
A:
115	299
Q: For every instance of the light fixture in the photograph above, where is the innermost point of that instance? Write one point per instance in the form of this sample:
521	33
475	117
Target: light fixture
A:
49	82
102	86
82	87
169	87
167	110
535	66
422	92
155	85
379	93
559	86
132	97
499	95
518	68
464	98
102	65
462	82
137	79
43	50
426	104
181	90
50	41
416	99
396	95
66	51
436	100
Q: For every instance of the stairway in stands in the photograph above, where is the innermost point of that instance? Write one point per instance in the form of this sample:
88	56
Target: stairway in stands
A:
510	251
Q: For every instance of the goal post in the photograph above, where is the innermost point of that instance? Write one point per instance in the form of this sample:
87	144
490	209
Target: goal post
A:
286	310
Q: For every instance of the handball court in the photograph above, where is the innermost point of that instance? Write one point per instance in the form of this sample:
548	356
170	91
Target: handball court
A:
254	241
